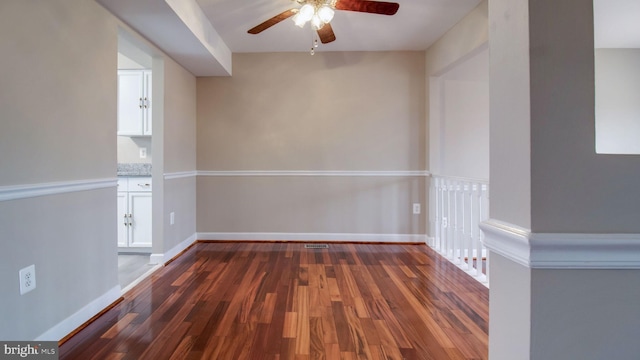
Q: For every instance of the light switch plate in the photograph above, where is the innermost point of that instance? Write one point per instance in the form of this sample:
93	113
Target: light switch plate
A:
143	153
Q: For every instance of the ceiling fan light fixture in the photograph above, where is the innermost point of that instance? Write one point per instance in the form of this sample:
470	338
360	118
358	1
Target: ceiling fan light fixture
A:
306	12
321	12
325	13
299	21
316	22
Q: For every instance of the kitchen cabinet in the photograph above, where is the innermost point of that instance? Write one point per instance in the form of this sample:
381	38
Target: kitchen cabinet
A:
134	102
134	212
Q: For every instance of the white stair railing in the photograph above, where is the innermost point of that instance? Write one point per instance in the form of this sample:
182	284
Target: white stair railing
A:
458	206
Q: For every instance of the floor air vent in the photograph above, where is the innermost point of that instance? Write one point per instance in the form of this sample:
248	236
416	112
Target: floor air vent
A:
316	246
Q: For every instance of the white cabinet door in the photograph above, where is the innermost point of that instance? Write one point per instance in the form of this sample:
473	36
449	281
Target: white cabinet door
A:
130	102
123	220
134	102
146	119
140	208
134	212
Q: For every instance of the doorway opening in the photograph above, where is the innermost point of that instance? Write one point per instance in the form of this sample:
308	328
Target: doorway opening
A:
134	160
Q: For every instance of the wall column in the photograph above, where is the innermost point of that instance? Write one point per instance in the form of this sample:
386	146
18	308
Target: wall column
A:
563	235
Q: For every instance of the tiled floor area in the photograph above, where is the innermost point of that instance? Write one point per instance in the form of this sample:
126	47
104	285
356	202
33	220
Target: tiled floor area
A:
131	267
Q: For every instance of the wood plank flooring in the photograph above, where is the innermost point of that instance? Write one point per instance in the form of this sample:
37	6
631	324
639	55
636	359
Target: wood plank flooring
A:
282	301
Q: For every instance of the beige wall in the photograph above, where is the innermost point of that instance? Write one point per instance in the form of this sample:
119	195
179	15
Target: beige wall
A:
584	314
70	238
573	189
57	123
179	119
129	149
179	198
617	82
457	98
292	111
331	111
466	40
310	204
510	148
468	35
179	153
547	177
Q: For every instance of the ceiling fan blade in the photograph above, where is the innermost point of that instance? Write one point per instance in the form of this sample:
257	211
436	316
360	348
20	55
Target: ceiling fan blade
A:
373	7
326	34
274	20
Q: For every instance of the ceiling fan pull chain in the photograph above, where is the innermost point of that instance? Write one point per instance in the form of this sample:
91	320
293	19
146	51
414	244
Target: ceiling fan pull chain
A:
314	43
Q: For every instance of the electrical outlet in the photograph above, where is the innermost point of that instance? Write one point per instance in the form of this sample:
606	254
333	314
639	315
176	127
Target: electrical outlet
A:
416	208
172	218
27	279
445	222
143	153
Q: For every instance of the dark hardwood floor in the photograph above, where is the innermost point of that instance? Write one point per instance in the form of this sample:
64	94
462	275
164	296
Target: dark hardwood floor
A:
282	301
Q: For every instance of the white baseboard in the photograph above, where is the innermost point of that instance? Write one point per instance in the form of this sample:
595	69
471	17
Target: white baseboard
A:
431	241
326	237
164	257
81	316
562	251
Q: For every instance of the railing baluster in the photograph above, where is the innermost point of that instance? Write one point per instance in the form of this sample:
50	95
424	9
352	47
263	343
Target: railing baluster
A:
469	233
464	244
459	205
456	230
476	239
439	234
449	223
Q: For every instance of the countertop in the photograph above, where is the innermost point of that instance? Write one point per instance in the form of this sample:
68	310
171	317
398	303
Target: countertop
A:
136	169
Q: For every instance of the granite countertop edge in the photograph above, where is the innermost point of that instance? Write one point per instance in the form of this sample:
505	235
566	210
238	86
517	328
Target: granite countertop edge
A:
133	169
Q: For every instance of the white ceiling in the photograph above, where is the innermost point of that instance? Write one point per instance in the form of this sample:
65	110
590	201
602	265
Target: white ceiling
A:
416	25
202	34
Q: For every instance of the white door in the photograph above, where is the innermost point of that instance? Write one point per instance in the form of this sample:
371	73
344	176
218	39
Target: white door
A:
141	209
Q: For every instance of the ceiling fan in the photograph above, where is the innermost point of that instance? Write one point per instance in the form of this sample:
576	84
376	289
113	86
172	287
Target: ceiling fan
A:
320	12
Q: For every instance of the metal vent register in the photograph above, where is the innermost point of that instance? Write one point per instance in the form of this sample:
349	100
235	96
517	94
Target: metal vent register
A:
316	246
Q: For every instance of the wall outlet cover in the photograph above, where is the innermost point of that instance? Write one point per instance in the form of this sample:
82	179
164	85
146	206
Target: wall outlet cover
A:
27	279
172	218
416	209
